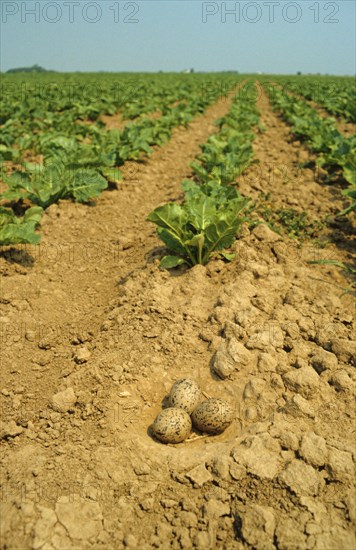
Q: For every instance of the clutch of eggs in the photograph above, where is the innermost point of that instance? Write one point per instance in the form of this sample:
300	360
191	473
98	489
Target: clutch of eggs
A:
174	424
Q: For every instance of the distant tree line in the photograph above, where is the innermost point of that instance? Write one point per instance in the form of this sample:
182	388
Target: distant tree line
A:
33	69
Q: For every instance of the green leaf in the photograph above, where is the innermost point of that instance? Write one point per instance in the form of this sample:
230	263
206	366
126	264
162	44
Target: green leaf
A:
327	262
15	230
33	214
86	184
201	210
172	240
18	234
168	262
113	175
349	173
170	215
221	234
198	242
47	185
229	256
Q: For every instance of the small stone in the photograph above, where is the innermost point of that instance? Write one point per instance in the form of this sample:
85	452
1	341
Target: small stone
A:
289	440
147	504
340	465
168	503
297	406
142	469
266	362
9	429
270	337
230	357
304	381
341	381
324	360
258	527
124	394
202	540
313	449
312	528
345	350
257	458
188	519
199	475
264	233
215	508
306	325
292	330
301	478
290	535
82	355
64	401
220	466
237	471
30	335
130	541
254	388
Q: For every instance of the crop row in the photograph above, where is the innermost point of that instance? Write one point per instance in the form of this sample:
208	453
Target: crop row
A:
79	166
210	216
337	95
73	107
335	152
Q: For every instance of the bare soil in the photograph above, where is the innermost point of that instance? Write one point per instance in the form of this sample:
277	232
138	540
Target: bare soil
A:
95	334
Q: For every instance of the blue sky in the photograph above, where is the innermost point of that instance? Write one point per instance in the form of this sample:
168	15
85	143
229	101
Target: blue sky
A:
262	36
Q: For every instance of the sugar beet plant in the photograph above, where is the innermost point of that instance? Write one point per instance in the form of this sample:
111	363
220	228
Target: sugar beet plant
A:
335	94
81	153
212	211
227	154
335	151
19	230
197	228
46	184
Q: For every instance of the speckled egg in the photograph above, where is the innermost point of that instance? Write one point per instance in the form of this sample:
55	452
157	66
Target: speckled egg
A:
172	425
185	394
213	416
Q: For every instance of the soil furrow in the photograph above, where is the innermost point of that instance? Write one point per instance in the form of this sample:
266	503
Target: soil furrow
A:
286	172
53	295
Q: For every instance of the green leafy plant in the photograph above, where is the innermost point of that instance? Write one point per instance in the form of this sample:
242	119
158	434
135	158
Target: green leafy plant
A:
221	194
19	230
210	216
335	151
297	224
224	157
199	227
227	154
46	184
